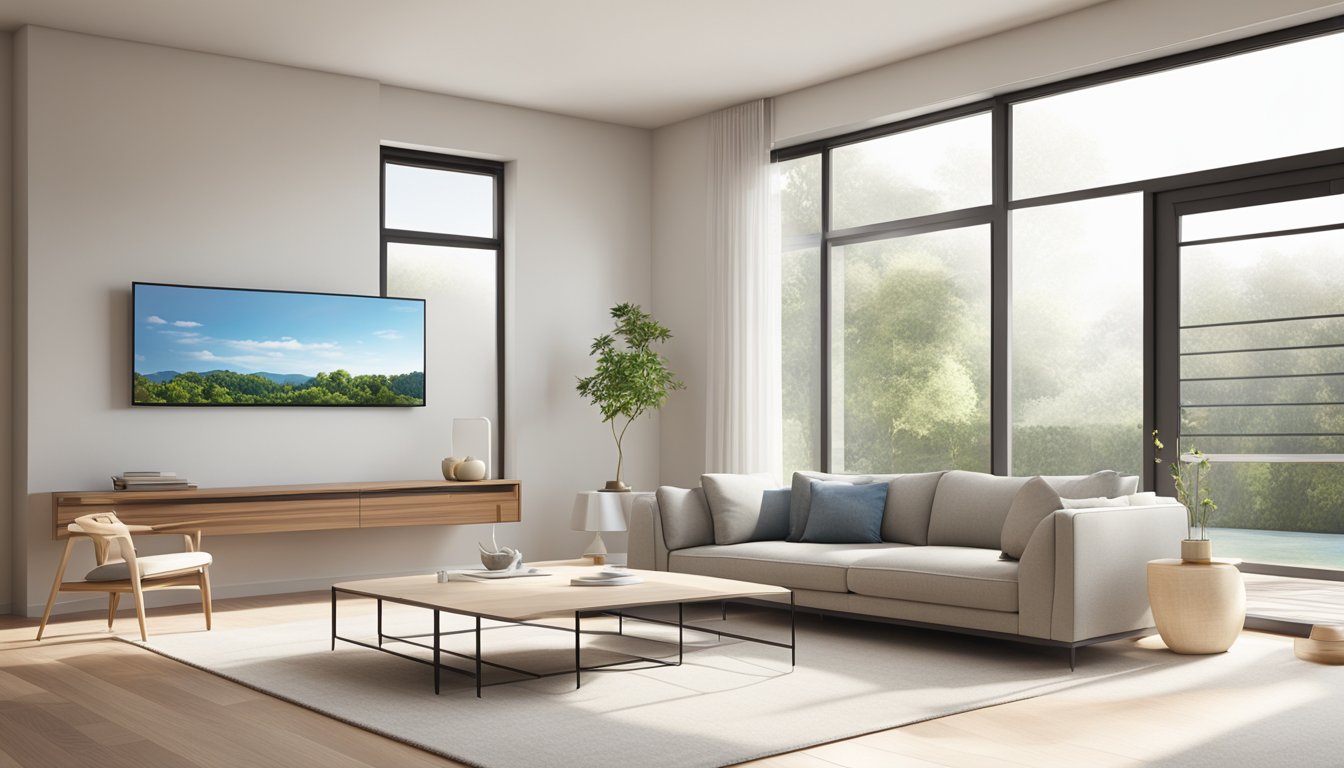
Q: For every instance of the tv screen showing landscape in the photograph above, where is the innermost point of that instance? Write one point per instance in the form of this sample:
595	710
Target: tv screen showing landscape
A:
235	347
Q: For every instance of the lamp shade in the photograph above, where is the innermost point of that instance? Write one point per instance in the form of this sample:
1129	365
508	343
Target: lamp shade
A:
597	511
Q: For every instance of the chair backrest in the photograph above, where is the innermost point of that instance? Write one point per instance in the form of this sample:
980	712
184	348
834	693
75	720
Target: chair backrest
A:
105	529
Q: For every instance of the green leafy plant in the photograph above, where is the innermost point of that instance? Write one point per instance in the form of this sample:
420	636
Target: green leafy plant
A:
1191	478
631	377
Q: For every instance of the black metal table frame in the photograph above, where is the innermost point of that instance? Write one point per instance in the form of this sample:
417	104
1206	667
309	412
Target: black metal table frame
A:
436	647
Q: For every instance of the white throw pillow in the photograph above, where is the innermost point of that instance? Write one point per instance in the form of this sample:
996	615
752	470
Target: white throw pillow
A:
735	504
1119	501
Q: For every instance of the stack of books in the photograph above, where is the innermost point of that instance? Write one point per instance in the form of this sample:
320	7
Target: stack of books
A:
150	481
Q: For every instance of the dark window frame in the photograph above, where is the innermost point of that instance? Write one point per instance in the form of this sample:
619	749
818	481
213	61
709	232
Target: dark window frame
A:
458	164
1157	397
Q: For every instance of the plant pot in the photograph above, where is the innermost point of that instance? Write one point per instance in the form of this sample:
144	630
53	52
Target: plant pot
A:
616	486
1197	550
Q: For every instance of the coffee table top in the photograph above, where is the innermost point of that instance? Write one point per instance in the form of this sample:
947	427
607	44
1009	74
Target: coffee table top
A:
537	597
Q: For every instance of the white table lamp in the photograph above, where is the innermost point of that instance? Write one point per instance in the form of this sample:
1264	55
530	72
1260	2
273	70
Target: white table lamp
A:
596	511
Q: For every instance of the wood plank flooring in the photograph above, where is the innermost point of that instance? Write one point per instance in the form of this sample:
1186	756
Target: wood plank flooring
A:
1311	601
79	698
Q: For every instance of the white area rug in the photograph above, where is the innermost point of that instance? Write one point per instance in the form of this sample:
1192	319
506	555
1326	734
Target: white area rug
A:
729	702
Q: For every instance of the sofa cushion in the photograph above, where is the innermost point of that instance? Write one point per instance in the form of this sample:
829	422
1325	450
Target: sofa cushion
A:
685	517
795	565
773	523
960	576
734	504
846	513
909	501
905	519
969	509
1034	502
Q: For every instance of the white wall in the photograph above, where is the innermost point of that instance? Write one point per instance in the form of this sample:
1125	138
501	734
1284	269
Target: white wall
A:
1094	38
6	315
680	289
157	164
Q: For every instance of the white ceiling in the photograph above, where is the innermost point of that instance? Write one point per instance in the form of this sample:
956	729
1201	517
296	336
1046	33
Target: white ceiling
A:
636	62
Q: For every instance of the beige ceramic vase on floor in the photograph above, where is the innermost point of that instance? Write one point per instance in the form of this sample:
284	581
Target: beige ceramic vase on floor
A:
1198	607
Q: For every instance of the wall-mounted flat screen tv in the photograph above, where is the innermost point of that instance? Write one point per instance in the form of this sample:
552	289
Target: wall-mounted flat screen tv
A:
193	345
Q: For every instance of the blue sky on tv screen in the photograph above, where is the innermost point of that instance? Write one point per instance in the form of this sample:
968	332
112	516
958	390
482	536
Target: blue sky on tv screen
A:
205	329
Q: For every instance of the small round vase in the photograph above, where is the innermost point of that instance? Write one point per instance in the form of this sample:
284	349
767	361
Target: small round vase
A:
448	466
1197	550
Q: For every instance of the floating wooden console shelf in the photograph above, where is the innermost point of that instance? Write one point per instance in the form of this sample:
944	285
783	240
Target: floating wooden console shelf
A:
276	508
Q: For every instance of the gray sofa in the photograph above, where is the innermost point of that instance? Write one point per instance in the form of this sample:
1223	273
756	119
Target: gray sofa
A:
1080	579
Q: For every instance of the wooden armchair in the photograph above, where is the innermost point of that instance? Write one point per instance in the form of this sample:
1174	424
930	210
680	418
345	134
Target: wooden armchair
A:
128	573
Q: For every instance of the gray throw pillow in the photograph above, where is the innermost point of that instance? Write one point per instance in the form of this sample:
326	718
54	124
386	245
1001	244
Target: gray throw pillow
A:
734	504
773	524
1033	503
686	521
845	513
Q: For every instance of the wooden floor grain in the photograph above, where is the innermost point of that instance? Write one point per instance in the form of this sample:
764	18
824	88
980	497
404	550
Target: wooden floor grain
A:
79	698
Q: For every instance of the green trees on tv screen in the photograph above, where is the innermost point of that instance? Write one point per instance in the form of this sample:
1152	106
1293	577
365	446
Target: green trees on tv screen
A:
338	387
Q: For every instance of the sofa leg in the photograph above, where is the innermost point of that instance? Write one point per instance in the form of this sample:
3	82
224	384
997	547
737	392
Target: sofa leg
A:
1073	657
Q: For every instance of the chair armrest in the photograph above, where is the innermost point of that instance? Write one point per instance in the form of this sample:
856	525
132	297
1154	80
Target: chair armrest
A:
1084	572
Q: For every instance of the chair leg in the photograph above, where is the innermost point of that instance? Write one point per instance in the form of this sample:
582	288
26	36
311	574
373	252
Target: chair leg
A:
112	599
139	606
205	595
55	586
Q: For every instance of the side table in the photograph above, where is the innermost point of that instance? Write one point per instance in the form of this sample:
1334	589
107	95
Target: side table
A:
1198	607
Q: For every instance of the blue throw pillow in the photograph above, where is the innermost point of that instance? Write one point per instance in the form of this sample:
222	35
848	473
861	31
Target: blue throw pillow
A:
773	524
843	513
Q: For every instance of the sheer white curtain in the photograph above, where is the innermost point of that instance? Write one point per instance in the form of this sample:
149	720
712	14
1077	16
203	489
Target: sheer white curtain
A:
743	423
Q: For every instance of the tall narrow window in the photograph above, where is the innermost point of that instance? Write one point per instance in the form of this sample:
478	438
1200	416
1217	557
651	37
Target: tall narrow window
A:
443	241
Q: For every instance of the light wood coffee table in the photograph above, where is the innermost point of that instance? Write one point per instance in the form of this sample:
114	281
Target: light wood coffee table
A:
533	599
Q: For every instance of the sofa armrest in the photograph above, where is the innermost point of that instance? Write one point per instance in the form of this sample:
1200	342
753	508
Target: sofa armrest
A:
647	548
1084	572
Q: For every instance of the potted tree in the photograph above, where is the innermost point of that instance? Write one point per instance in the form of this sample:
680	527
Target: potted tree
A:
631	377
1190	474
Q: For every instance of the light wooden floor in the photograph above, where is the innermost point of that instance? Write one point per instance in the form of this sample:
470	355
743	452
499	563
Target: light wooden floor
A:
79	698
1311	601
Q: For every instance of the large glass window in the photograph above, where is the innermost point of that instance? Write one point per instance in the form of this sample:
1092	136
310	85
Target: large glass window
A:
989	290
941	167
1077	337
441	241
910	353
1268	103
1262	374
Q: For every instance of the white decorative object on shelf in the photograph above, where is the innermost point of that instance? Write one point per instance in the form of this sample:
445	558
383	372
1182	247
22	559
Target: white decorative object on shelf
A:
471	435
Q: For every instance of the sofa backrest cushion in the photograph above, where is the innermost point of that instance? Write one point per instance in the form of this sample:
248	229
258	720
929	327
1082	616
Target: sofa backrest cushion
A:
685	517
905	518
969	509
1034	502
734	504
846	513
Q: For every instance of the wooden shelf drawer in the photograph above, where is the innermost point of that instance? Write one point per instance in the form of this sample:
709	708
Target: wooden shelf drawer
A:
390	509
227	517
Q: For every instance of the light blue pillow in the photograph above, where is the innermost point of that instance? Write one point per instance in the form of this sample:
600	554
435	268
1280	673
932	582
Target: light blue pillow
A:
773	523
842	513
